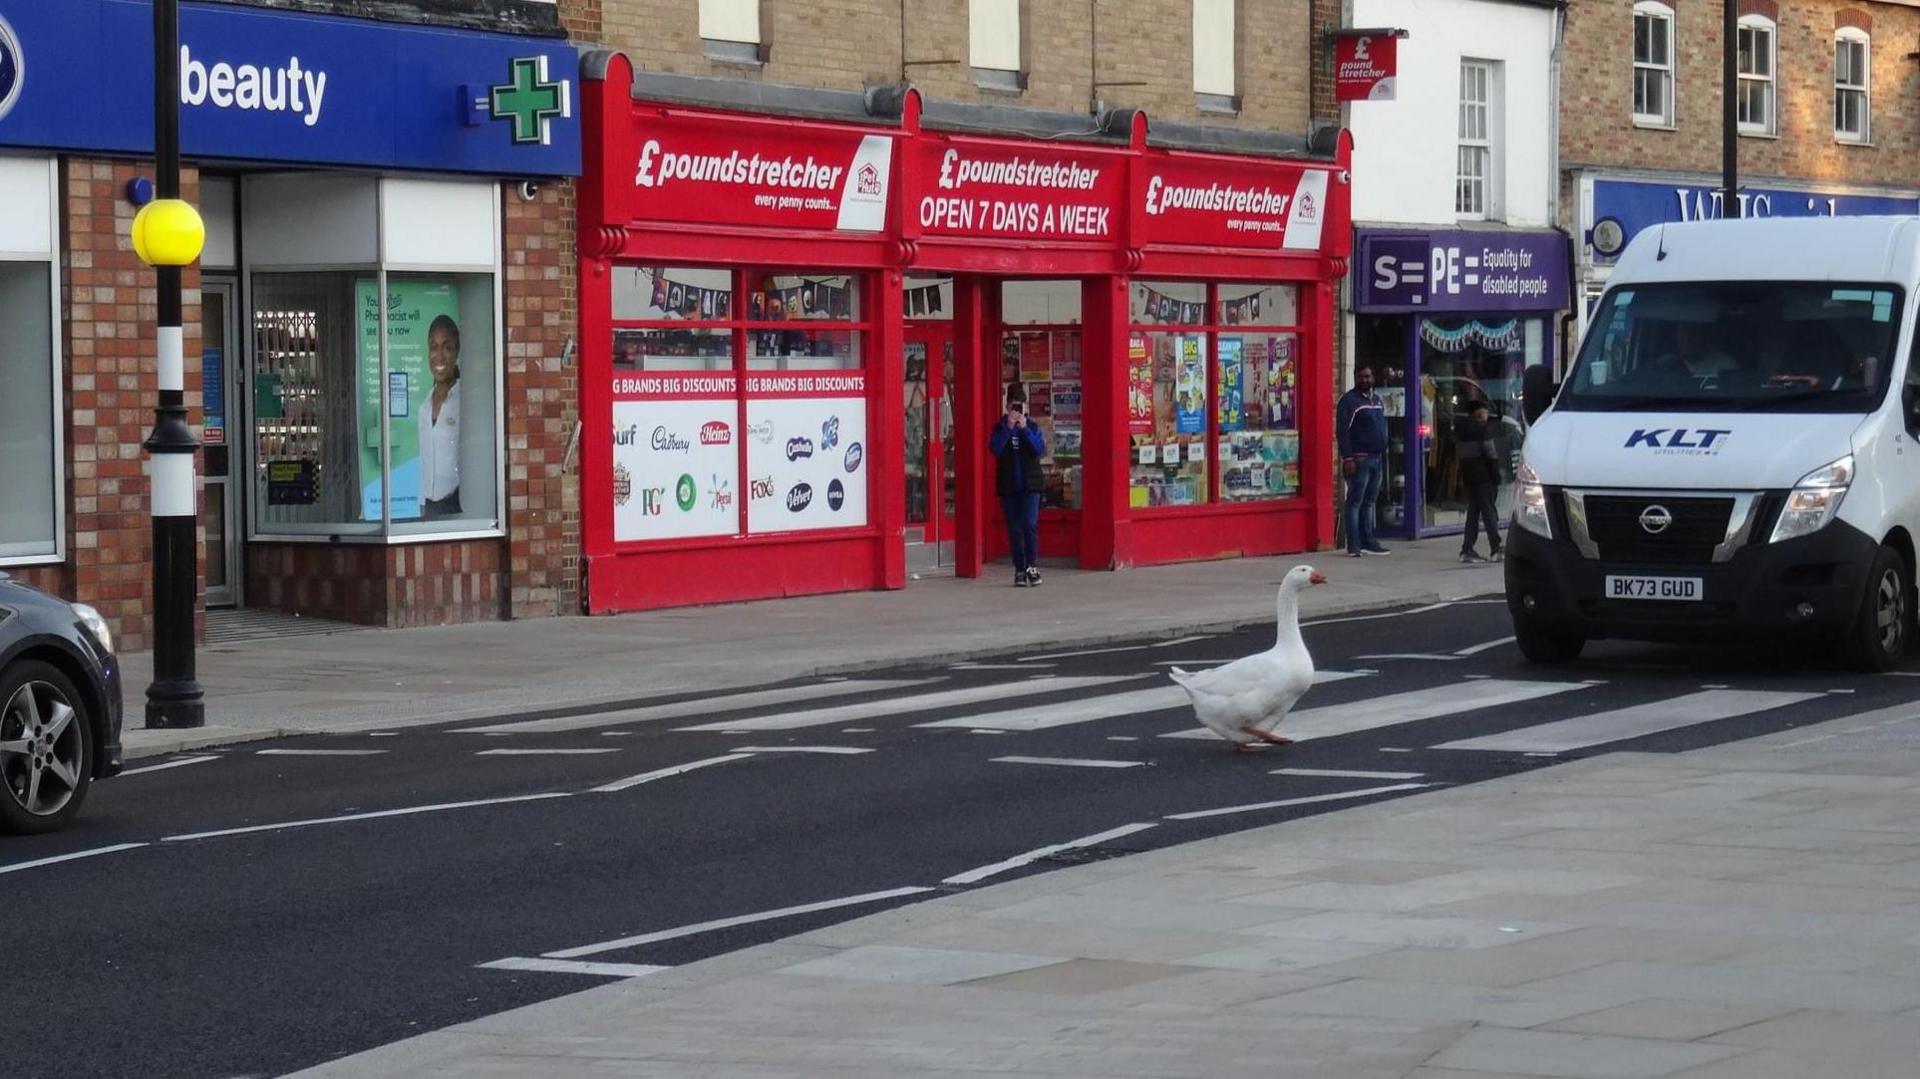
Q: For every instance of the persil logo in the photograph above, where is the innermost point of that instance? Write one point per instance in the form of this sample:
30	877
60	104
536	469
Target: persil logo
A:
715	434
658	167
1214	198
1679	441
957	172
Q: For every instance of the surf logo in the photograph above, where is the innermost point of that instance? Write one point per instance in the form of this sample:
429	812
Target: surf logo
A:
799	498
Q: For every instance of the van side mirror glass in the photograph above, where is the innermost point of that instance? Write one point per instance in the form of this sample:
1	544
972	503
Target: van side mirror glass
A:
1537	391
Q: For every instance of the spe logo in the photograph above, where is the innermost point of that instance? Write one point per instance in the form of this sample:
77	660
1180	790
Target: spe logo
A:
836	496
799	498
13	68
799	447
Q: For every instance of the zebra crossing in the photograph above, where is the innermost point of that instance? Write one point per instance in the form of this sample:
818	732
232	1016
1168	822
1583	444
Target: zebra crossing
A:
1138	705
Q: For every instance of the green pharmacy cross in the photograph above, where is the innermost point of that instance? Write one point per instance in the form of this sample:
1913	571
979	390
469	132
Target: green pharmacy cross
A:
531	100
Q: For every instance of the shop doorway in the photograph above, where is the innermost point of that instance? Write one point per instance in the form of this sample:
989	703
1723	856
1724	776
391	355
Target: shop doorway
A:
222	378
930	451
1037	331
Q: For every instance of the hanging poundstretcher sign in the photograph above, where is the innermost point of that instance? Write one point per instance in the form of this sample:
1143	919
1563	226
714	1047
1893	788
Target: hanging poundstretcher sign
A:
1364	65
1029	191
759	174
1233	202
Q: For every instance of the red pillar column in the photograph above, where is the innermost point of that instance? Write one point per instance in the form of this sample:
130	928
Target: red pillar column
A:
1104	516
975	372
1317	394
887	431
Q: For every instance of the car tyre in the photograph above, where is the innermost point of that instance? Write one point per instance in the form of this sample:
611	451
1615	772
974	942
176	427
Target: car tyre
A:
1881	629
46	749
1540	645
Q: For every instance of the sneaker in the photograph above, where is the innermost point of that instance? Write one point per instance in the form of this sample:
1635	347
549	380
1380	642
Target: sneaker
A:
1498	554
1353	552
1033	576
1019	579
1470	556
1375	549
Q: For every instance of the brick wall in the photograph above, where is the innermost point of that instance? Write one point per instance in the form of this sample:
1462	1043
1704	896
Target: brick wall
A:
847	44
1325	18
111	387
1597	93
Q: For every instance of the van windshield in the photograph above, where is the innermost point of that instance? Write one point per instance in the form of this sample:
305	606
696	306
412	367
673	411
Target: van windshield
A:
1737	346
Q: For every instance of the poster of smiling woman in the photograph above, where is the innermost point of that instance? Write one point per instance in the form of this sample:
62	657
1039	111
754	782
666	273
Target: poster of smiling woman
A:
421	396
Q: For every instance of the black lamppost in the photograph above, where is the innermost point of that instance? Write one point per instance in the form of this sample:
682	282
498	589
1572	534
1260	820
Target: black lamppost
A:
168	235
1730	109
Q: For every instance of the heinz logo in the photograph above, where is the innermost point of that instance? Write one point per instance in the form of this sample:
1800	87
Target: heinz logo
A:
716	434
798	448
1704	440
799	498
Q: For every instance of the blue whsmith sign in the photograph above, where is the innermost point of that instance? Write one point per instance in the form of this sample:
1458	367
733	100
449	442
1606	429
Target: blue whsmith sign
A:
1620	209
257	85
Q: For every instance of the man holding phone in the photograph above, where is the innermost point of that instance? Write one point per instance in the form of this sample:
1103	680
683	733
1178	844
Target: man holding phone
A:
1018	445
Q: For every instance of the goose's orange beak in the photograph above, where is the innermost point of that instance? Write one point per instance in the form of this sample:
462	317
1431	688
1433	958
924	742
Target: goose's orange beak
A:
1316	577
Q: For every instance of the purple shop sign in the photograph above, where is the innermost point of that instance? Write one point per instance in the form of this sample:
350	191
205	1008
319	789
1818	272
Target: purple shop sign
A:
1461	270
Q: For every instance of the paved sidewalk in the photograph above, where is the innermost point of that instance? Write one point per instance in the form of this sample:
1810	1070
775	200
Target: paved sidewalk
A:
1748	911
376	679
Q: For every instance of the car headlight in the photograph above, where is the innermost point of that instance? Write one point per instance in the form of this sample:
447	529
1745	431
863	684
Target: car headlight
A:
95	625
1814	500
1530	502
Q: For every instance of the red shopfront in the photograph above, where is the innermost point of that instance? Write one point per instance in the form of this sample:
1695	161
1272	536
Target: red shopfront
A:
749	341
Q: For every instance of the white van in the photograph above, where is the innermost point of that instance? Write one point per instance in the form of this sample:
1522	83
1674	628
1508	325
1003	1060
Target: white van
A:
1732	455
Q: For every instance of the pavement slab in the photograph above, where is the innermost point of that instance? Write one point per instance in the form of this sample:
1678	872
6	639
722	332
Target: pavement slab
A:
1576	1056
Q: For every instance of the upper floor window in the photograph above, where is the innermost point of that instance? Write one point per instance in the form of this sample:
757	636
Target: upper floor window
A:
1475	180
1852	85
993	44
730	29
1653	63
1756	56
1214	82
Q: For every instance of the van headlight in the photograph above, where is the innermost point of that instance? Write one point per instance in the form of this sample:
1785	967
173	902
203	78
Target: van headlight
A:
1814	500
1530	502
94	624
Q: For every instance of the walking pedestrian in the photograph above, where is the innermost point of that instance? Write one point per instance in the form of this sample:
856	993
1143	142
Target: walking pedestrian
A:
1018	445
1480	471
1361	428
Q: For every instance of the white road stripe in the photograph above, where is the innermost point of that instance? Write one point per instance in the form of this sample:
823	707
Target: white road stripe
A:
1065	713
1341	796
728	923
1442	656
1486	646
37	862
1343	773
319	752
727	702
564	966
1069	762
409	811
543	752
996	666
666	773
1087	652
178	762
925	702
1377	617
1184	640
842	750
1376	712
1018	860
1637	721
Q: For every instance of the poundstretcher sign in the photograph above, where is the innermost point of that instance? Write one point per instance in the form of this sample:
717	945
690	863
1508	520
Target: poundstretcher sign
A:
688	170
1228	203
979	188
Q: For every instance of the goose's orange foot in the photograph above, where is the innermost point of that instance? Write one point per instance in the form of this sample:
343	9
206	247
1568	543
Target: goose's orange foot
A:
1250	747
1268	736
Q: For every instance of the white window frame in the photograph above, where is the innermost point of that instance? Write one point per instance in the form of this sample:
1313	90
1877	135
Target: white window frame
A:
730	20
1769	82
995	50
1862	87
1476	194
1215	44
1653	9
49	260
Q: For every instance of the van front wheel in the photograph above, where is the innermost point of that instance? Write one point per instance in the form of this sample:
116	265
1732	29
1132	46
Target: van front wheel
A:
1879	639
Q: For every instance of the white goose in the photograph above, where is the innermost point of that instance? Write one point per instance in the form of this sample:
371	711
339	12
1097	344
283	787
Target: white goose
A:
1246	699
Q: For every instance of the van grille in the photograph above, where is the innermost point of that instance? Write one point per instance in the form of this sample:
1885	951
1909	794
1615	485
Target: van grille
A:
1699	525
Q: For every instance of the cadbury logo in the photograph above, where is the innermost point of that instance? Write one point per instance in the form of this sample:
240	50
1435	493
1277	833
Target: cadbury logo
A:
666	441
799	498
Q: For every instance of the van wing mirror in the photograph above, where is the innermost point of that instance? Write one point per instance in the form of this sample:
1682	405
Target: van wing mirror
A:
1537	391
1910	407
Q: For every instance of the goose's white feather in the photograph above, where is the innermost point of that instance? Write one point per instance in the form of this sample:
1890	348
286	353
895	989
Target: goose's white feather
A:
1256	691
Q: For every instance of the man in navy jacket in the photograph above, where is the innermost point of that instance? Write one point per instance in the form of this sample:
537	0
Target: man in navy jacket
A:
1018	445
1361	427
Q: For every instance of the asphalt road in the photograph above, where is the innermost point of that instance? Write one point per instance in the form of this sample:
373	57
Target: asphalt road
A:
289	936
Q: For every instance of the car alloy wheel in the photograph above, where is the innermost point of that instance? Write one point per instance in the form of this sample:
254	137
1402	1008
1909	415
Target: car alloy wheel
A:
1890	611
42	748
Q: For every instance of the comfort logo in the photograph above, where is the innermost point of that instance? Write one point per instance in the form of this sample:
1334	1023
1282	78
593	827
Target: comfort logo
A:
13	68
855	455
716	434
799	498
798	448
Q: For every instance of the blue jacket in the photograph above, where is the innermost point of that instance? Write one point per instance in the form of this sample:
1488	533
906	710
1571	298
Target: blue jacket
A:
1018	451
1361	425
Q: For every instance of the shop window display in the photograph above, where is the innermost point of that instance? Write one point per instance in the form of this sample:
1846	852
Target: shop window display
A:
1040	353
1464	360
319	403
739	403
30	482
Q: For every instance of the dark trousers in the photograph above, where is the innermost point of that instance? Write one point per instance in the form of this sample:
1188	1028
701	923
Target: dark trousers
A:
443	507
1482	511
1023	529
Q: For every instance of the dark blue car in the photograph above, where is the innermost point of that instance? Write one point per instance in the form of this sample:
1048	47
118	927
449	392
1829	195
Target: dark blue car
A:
59	707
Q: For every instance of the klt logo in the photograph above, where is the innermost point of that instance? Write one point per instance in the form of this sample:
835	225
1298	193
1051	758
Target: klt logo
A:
1659	438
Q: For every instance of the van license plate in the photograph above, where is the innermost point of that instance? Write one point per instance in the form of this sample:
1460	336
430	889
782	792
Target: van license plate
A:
1685	589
